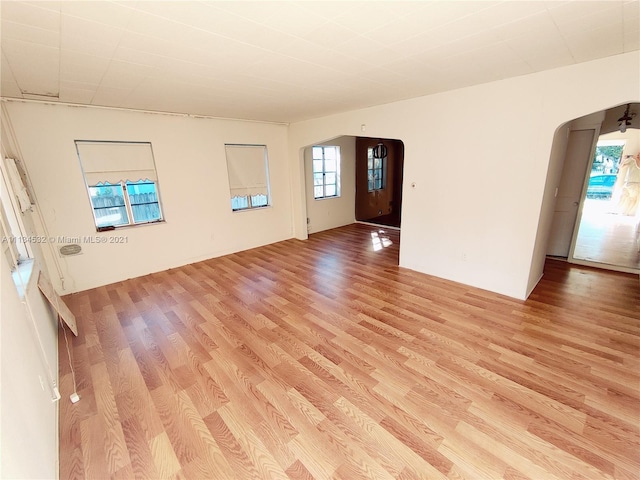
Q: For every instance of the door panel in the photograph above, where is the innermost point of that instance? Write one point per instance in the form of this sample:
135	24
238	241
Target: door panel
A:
577	159
371	204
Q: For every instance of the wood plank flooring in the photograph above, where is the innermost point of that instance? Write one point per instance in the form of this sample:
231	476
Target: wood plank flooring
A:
323	359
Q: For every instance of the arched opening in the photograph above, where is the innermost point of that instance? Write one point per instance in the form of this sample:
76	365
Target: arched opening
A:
590	225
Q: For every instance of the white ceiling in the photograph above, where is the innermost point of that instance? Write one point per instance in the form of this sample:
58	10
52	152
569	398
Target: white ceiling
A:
286	61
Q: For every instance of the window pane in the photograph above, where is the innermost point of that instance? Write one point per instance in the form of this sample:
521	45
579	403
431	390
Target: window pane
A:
317	153
378	184
317	178
330	190
369	163
317	166
111	217
330	179
318	192
141	186
330	165
238	203
105	191
144	201
330	153
377	163
108	205
145	213
370	185
259	201
369	152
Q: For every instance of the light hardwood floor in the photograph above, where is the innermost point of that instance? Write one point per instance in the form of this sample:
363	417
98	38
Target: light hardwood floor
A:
323	359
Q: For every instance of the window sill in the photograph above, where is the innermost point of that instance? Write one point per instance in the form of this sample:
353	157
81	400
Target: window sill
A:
333	197
120	227
252	209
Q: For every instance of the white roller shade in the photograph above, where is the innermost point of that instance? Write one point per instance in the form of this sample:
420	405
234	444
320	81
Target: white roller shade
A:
116	162
247	166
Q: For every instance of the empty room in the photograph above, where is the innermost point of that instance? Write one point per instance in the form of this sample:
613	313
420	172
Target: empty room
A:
315	240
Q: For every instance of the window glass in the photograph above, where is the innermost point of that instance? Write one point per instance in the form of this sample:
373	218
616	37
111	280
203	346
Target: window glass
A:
376	171
239	203
144	201
326	171
108	204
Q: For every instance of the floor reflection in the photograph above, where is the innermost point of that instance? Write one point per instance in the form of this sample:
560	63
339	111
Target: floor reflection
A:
607	237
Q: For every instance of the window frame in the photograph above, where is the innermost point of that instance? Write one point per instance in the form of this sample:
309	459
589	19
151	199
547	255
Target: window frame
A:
324	172
122	185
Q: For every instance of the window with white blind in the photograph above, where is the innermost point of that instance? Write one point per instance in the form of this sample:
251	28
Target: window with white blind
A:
248	169
121	181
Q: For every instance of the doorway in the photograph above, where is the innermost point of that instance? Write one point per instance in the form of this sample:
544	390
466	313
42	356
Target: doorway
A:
607	235
354	197
342	162
379	171
600	235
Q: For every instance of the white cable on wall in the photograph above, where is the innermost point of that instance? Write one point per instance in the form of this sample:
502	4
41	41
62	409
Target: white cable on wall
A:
74	396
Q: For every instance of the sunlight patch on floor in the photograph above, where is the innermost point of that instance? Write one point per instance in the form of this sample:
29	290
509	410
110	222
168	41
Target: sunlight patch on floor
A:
380	240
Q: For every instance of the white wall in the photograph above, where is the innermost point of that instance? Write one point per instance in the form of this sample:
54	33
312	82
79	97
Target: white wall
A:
631	140
28	417
28	361
192	174
28	370
477	222
327	213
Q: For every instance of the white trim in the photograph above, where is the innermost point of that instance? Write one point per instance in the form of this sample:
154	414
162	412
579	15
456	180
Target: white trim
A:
153	112
378	225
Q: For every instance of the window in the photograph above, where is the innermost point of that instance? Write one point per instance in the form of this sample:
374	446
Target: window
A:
122	183
375	171
248	169
326	172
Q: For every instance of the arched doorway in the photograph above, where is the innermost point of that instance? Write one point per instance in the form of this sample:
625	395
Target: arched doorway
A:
588	228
